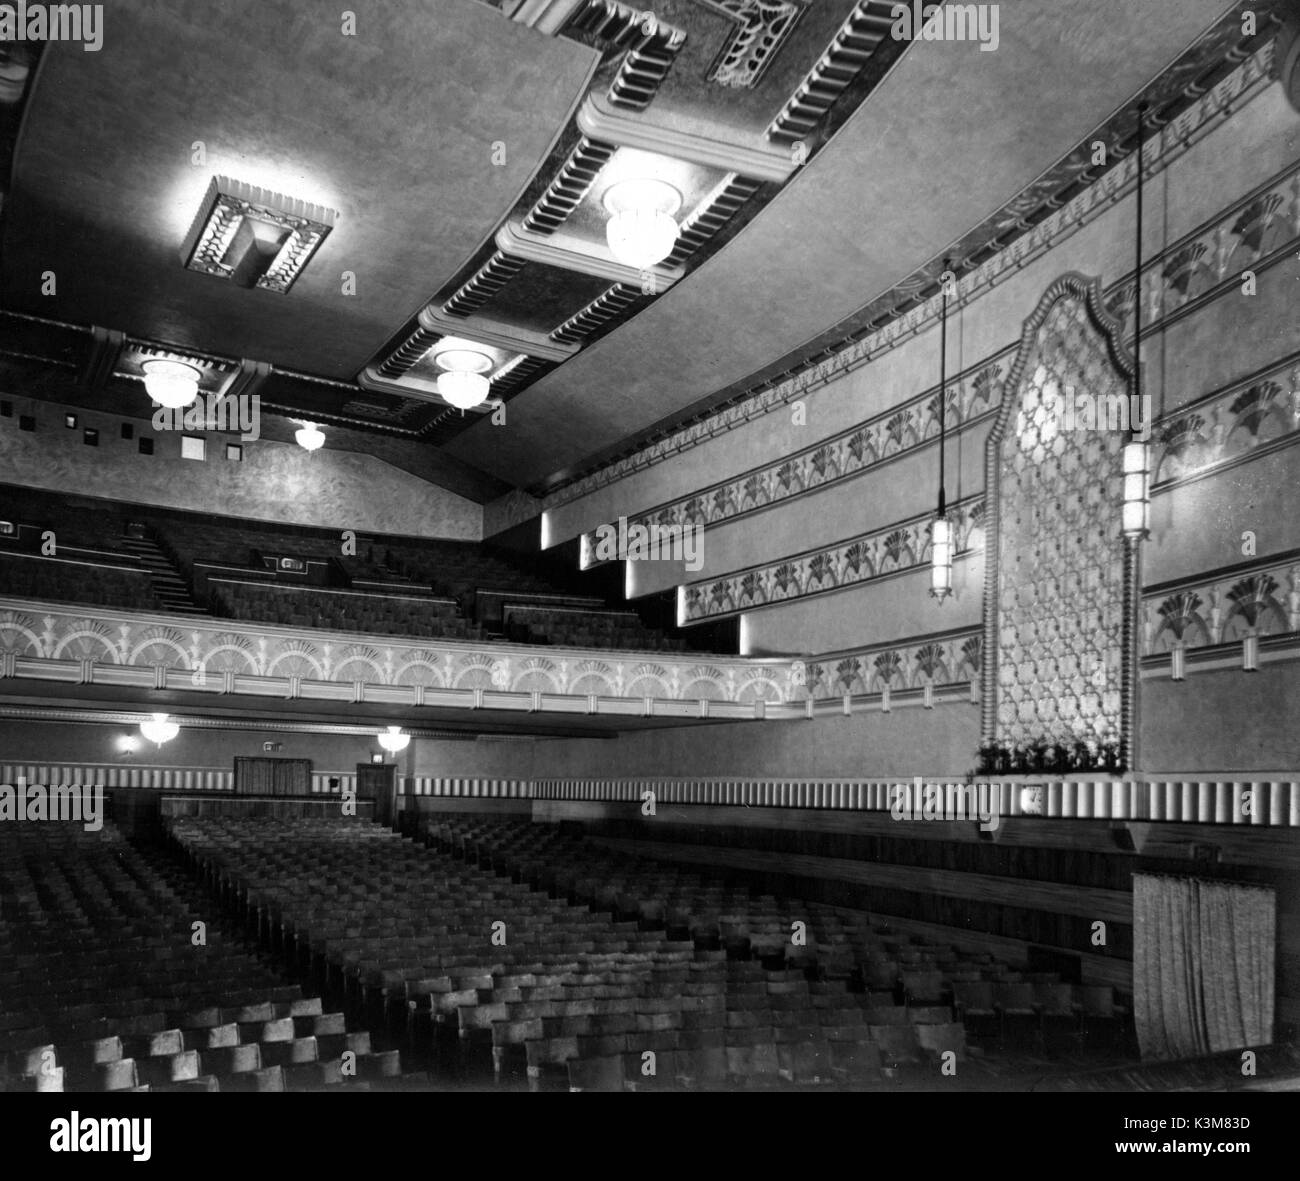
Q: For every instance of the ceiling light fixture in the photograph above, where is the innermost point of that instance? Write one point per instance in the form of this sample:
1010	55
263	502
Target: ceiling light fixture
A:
159	729
461	382
393	740
310	437
1135	459
170	383
641	231
254	237
941	531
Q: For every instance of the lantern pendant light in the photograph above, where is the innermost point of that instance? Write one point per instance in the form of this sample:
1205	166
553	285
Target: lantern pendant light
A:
1136	456
941	543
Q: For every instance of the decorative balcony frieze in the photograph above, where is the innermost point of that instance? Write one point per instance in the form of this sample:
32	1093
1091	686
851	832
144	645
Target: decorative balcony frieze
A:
150	652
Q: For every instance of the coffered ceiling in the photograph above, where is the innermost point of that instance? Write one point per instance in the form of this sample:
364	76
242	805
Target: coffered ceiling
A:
465	149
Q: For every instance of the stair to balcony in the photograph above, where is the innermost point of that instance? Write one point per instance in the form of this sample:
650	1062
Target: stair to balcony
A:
170	588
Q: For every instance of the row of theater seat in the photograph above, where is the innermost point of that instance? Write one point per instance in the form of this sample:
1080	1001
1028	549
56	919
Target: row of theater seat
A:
460	568
994	1000
435	944
585	629
383	577
85	524
307	607
114	976
56	581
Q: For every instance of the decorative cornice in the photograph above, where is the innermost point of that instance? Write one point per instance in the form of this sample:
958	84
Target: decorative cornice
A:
879	553
1254	599
519	375
570	186
651	47
850	50
518	243
497	334
408	353
1259	413
596	314
119	717
600	121
486	282
952	658
762	28
711	215
902	429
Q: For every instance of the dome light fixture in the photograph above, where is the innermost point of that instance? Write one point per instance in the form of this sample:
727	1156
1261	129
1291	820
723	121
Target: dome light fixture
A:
393	740
462	382
641	231
173	384
159	730
310	437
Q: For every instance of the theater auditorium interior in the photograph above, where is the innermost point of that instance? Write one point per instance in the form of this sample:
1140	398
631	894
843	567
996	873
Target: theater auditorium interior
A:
721	545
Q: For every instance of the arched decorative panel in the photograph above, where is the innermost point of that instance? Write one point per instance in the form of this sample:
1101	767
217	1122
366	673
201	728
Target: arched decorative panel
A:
1059	604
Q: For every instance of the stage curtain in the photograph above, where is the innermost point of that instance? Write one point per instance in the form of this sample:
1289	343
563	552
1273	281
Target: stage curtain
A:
1203	962
272	777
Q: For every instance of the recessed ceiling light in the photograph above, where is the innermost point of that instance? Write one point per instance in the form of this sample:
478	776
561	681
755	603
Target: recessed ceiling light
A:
641	231
254	237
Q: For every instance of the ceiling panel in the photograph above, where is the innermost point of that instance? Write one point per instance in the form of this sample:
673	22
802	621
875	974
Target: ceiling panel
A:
393	128
947	139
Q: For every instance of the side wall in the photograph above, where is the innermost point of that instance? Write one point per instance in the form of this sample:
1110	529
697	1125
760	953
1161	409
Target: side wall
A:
274	481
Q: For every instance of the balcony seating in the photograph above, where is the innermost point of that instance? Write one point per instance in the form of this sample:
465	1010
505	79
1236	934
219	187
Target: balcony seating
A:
399	587
55	580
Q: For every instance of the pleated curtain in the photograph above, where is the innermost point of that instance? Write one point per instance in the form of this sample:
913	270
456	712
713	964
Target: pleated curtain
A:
272	777
1203	964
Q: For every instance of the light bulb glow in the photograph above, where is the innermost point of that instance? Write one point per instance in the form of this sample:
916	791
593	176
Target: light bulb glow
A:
641	230
310	437
463	390
159	729
1133	517
463	361
941	558
171	383
393	740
